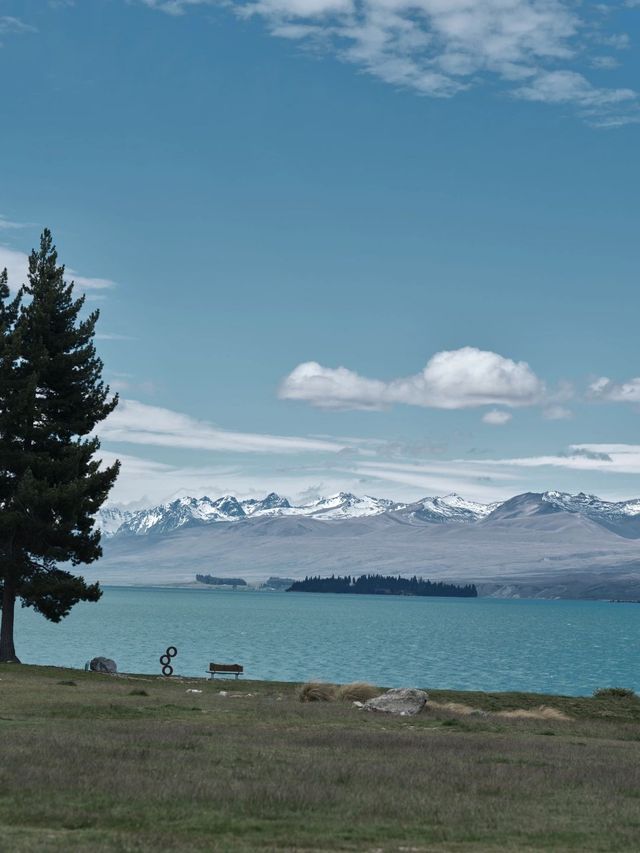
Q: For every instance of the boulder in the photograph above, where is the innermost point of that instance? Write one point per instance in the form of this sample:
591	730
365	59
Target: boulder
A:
100	664
405	701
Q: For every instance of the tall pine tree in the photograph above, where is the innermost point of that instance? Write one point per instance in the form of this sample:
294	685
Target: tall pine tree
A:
51	485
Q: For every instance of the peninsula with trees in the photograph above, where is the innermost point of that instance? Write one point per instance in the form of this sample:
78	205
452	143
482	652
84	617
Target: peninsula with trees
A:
211	580
384	585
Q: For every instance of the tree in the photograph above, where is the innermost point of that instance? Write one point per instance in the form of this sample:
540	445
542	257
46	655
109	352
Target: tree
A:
51	485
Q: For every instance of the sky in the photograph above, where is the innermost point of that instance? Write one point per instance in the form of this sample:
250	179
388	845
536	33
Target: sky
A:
363	245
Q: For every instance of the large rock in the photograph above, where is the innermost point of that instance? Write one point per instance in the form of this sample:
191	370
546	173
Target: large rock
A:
405	701
100	664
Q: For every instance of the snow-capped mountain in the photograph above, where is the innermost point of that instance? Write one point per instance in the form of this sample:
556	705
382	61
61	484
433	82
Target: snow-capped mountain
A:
451	508
346	505
622	517
272	505
592	506
197	511
171	516
111	519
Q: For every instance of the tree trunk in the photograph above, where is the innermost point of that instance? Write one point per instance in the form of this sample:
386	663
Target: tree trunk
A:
7	649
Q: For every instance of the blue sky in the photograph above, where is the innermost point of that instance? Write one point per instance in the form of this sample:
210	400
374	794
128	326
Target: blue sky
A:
380	247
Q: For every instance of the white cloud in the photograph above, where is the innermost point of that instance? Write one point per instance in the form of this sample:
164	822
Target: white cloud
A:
456	469
332	388
608	458
606	63
468	377
557	413
8	225
455	379
439	479
86	283
11	26
496	417
599	105
618	41
17	264
442	47
612	392
134	422
145	482
175	7
495	479
125	383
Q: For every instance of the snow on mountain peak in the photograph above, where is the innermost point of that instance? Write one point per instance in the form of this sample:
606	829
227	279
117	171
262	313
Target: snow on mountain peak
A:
448	509
228	505
273	504
593	506
346	505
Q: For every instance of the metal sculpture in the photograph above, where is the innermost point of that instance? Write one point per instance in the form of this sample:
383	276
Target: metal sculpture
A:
165	660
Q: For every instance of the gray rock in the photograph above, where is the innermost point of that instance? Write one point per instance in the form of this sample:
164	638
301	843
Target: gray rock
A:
100	664
405	701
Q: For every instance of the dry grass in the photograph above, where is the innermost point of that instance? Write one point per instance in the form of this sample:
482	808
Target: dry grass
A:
458	709
452	708
318	691
358	691
543	712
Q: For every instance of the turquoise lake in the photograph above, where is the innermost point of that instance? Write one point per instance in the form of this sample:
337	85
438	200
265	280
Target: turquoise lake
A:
570	647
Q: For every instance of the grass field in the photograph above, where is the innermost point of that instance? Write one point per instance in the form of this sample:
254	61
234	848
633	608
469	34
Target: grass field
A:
137	763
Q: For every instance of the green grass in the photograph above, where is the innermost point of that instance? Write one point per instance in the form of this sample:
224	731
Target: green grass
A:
100	763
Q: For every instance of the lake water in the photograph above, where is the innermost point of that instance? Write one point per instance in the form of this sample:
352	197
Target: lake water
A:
570	647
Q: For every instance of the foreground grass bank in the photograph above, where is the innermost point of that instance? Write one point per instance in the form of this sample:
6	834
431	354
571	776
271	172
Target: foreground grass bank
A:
137	763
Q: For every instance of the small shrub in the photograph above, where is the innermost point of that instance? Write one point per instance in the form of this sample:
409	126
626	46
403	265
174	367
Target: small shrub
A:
68	683
358	691
614	693
318	691
138	693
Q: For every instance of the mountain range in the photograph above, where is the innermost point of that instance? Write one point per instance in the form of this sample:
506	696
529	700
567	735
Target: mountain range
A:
344	505
550	544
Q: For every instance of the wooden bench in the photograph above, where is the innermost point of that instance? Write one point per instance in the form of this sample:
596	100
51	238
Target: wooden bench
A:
225	669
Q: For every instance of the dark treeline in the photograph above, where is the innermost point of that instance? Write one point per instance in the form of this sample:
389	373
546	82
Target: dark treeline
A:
383	585
213	581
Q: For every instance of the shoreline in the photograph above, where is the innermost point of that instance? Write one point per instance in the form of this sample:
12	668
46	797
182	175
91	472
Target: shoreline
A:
179	678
